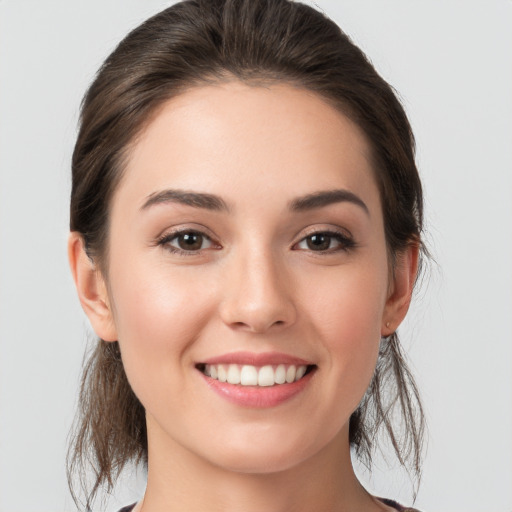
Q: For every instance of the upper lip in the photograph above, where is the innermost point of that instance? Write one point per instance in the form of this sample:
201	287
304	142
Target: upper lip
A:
255	359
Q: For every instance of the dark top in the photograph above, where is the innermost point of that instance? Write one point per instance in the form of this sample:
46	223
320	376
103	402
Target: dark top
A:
390	503
399	507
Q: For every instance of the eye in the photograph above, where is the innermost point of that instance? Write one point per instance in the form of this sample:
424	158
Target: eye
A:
187	241
326	241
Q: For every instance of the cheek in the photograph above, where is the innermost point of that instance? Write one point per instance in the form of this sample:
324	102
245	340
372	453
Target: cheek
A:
347	317
349	304
158	315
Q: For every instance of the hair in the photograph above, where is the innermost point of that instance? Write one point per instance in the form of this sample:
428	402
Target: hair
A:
198	42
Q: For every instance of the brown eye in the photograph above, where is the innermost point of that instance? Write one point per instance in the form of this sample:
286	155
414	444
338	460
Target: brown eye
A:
319	242
186	242
326	241
190	241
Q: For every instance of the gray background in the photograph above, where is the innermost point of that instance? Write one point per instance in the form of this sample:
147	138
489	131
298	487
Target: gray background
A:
451	63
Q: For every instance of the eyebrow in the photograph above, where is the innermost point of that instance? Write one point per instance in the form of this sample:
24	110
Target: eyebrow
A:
216	203
195	199
325	198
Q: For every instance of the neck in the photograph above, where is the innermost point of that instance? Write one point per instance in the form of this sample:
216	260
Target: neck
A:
178	480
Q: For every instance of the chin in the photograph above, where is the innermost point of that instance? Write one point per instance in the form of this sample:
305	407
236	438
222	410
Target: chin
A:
261	463
266	454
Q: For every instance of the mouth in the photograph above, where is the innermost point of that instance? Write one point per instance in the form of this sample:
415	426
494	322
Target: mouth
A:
257	380
257	376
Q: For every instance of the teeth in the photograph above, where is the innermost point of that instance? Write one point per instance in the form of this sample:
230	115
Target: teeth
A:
301	370
221	374
280	376
290	374
266	376
248	375
233	374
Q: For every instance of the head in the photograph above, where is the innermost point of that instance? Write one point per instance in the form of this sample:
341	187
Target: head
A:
196	49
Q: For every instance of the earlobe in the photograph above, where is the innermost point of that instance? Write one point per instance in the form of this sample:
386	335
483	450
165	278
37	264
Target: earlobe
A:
399	299
91	289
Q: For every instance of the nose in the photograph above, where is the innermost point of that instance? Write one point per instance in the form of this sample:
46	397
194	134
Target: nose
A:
258	295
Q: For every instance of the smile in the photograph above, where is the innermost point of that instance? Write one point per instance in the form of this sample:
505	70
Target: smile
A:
252	380
249	375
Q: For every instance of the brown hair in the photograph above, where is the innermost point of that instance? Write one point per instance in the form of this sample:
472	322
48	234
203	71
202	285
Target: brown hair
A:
202	41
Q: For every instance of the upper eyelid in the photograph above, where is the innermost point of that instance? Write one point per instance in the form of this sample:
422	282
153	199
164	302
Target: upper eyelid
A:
342	234
166	238
173	232
342	237
329	230
203	230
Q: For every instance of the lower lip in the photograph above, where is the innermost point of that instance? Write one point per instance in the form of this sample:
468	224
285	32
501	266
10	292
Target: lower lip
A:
258	397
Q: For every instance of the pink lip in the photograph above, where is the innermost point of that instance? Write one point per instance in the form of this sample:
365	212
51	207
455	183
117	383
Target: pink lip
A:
254	359
255	396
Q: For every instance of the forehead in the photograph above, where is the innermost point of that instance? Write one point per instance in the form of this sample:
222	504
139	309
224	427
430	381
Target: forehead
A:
251	139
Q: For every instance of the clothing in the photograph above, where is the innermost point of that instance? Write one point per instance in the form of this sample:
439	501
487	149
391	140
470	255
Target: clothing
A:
390	503
399	507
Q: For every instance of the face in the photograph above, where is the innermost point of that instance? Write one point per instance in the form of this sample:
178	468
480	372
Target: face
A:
247	244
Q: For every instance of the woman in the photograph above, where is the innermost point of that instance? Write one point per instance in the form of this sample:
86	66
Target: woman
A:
246	220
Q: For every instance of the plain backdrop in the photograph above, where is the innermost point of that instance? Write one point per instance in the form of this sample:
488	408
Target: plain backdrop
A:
451	62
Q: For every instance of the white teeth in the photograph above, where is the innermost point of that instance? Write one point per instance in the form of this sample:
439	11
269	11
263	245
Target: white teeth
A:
221	374
290	374
233	374
266	376
248	375
280	374
301	370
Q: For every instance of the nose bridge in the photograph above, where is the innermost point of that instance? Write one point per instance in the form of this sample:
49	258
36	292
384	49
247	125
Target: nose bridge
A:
258	295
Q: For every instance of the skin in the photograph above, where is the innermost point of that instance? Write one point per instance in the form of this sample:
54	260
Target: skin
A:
253	285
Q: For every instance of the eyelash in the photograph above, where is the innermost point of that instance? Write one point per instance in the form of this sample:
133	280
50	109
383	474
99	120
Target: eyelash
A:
165	241
346	242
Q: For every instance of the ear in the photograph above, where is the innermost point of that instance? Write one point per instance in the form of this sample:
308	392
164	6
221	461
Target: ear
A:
91	288
401	287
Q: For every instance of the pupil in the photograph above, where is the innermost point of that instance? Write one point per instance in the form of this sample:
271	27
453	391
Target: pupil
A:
317	242
191	241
